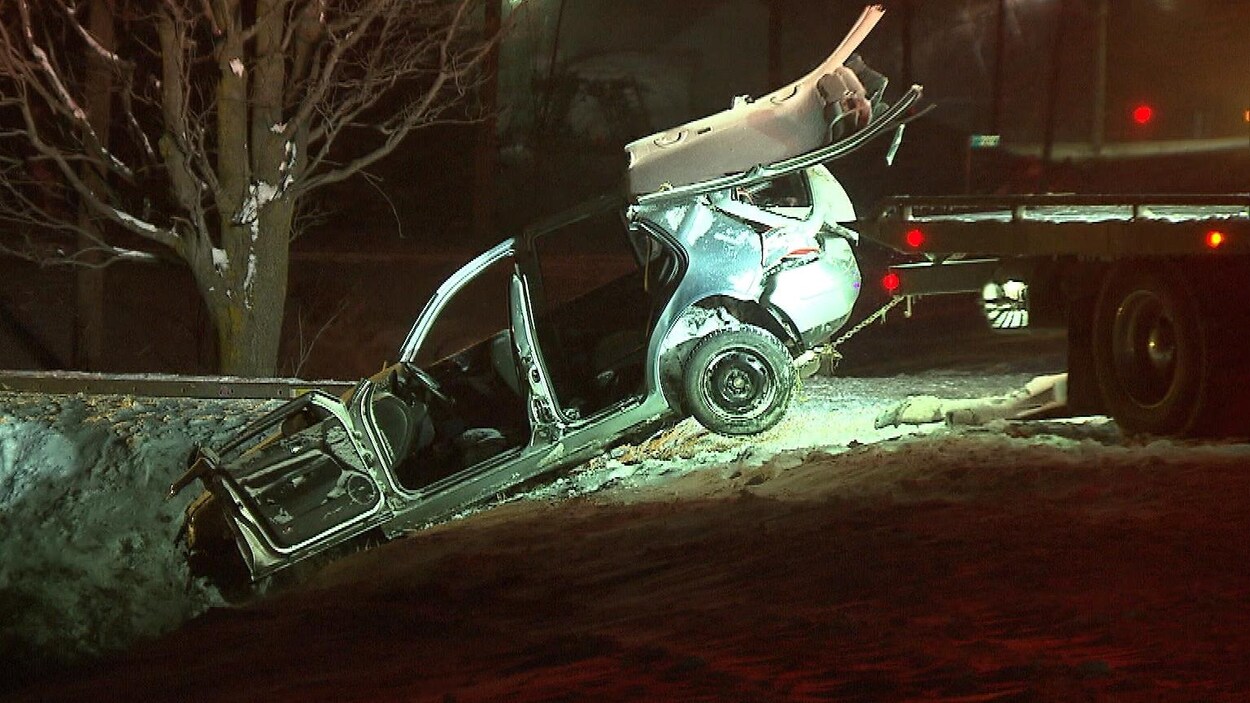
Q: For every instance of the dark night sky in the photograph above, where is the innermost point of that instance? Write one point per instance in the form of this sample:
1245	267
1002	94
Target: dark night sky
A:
1188	58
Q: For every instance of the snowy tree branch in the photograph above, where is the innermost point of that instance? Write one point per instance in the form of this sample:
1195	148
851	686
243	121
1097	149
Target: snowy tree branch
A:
194	129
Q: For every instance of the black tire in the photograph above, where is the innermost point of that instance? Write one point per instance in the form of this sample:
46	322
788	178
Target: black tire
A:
738	381
1151	354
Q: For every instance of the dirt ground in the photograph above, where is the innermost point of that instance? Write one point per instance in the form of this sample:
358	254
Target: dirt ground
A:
1015	563
1040	561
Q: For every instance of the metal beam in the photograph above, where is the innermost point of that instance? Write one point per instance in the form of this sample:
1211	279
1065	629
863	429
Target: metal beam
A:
162	386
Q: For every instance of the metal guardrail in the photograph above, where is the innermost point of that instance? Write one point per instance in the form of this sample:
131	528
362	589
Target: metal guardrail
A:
162	385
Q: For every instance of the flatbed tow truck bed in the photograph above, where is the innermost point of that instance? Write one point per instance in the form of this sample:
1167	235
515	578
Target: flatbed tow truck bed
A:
1153	289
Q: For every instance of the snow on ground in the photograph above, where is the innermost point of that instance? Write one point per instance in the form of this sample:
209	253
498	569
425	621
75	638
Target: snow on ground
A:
88	562
1040	561
828	414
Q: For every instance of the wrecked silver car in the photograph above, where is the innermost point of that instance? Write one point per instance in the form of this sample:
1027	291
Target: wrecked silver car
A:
697	298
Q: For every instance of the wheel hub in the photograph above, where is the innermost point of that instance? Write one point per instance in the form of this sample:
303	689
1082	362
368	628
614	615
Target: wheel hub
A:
1145	347
739	383
1161	346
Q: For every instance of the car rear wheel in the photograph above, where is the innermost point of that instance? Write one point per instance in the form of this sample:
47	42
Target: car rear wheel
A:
738	381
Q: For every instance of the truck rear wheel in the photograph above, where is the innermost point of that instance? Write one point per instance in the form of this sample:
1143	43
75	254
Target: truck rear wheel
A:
1150	352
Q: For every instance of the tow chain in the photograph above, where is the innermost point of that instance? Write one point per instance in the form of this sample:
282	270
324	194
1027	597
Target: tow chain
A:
828	353
833	346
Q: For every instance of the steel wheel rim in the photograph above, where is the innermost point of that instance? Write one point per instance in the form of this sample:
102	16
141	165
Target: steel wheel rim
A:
1145	348
739	384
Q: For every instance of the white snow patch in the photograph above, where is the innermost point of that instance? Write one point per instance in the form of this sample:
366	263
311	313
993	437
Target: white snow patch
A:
688	449
221	260
133	255
117	163
247	211
88	562
287	168
259	194
236	67
249	278
264	193
136	223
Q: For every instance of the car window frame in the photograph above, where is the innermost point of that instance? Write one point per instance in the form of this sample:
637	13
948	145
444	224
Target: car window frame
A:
419	333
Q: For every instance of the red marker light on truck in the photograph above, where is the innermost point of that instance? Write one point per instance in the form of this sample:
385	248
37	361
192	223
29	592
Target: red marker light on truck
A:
914	238
890	282
1215	238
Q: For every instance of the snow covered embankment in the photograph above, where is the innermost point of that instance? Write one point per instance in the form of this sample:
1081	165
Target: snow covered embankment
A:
88	562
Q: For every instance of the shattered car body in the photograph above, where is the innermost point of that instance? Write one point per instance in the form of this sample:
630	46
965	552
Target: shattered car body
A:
615	318
830	102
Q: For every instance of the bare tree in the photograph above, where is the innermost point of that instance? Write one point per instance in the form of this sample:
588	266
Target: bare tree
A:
225	114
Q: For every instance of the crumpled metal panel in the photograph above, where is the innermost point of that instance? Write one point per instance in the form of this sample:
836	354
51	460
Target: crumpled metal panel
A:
817	296
787	122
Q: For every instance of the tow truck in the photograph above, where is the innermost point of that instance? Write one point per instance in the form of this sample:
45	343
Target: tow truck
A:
1149	288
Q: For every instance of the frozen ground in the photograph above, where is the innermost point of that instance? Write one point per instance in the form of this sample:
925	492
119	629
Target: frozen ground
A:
88	561
825	559
829	415
87	556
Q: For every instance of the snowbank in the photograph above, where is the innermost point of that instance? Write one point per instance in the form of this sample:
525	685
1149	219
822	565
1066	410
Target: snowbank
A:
964	560
88	562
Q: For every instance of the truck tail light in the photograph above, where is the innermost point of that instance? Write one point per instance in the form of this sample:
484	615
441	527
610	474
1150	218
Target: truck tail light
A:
914	238
891	282
1215	239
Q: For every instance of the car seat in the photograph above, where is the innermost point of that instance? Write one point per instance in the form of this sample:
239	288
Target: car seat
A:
404	426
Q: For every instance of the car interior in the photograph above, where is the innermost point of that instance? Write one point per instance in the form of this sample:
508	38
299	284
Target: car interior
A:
473	413
593	327
597	285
